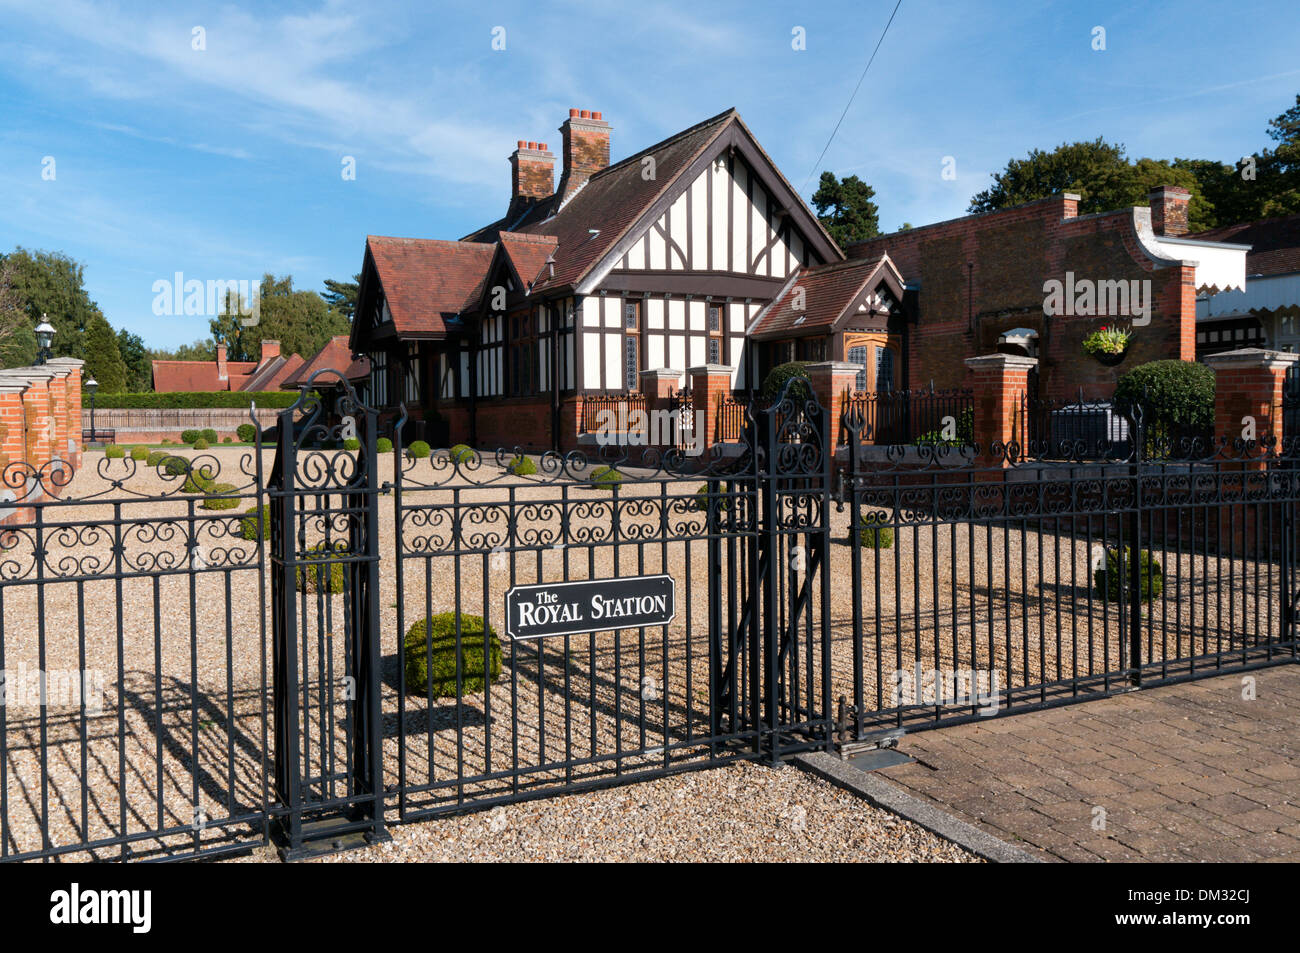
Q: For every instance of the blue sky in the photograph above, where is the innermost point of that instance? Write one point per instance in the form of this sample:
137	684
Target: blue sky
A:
225	163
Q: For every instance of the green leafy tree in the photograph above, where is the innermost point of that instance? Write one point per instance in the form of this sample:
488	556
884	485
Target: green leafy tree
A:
845	208
300	320
103	358
17	336
52	284
342	295
1281	165
139	371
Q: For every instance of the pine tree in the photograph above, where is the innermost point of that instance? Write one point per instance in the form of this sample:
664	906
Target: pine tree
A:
103	358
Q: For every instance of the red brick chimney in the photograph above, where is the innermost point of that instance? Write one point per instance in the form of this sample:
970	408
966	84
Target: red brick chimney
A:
532	176
270	349
586	149
223	373
1169	210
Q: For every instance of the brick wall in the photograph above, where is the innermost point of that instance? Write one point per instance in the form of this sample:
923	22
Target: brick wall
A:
152	425
983	274
39	430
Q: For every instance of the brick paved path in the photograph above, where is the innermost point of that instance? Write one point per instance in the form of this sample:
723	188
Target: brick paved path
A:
1188	772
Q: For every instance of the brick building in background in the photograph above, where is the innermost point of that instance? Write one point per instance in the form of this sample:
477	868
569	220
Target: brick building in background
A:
972	280
267	373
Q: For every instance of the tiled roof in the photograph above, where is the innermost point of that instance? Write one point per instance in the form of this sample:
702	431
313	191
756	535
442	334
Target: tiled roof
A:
426	281
271	374
335	355
828	291
527	253
614	198
1275	243
174	376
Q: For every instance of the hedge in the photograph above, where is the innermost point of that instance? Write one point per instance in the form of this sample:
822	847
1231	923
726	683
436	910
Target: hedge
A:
196	400
440	642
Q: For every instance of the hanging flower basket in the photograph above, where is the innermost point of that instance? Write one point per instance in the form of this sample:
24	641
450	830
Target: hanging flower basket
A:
1108	346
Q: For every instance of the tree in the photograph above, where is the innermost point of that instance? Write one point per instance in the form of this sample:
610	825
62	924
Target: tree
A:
205	350
17	335
845	208
342	295
139	370
1281	166
51	283
300	320
103	359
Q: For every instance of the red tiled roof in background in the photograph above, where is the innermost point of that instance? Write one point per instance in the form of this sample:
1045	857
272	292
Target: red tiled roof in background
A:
173	376
829	290
427	282
335	355
1275	243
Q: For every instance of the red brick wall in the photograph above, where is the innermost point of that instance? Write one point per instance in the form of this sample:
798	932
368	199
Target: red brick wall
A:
988	270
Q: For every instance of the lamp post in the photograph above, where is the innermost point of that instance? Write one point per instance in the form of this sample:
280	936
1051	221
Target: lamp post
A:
44	338
92	386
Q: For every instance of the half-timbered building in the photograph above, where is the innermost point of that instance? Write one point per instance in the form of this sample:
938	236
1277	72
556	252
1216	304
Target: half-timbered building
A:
666	261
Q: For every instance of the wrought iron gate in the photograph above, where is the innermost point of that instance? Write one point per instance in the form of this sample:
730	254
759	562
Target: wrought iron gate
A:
324	536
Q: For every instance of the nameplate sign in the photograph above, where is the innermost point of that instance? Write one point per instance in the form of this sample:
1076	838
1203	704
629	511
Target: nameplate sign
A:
593	605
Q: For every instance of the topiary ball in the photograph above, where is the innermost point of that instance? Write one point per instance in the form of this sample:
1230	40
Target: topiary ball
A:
777	377
352	444
220	498
419	449
208	434
201	444
174	465
1150	576
227	439
139	453
189	436
702	499
197	481
156	457
459	453
310	577
384	445
114	452
246	433
521	466
254	529
436	637
874	536
605	478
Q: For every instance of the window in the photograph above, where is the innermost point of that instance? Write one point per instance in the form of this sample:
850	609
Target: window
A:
631	315
884	369
413	375
715	350
858	356
715	319
631	363
379	378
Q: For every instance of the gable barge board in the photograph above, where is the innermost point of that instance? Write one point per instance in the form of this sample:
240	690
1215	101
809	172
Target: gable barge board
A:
701	284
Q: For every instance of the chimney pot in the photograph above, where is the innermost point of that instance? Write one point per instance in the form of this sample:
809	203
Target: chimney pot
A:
586	149
520	144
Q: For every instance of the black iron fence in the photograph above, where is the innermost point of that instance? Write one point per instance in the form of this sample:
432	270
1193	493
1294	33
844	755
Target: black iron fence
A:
209	652
906	417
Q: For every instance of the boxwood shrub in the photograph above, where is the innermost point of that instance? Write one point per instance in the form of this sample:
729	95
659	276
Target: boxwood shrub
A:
201	444
208	434
702	499
139	452
156	457
309	578
777	376
873	535
189	436
521	466
254	529
436	636
174	465
114	452
198	481
1151	578
384	445
605	478
246	433
352	444
220	498
459	453
1176	398
418	449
